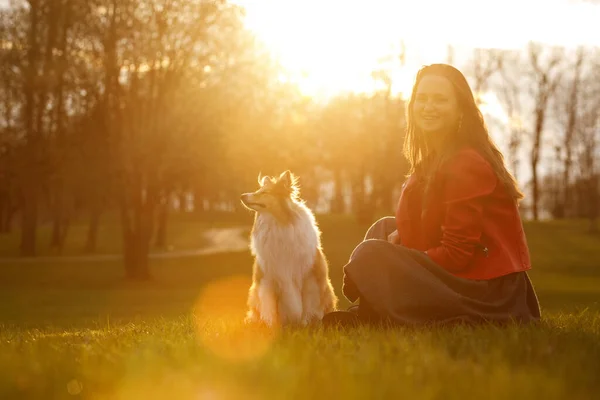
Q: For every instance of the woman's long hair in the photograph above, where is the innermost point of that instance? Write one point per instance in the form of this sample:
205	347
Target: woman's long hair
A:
472	131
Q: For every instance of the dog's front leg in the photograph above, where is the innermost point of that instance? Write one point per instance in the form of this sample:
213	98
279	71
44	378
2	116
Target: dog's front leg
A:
268	302
253	314
311	301
290	304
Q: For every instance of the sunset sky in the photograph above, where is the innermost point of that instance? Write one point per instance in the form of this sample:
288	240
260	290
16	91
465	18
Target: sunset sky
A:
330	46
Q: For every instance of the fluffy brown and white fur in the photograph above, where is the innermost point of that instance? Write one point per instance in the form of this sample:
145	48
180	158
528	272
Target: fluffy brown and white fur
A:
290	282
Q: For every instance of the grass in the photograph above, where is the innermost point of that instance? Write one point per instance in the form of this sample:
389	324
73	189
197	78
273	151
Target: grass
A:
79	331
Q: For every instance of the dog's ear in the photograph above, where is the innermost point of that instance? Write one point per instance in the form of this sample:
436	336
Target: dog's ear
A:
286	178
262	180
290	182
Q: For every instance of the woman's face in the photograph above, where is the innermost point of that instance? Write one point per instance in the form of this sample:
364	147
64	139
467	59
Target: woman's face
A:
435	107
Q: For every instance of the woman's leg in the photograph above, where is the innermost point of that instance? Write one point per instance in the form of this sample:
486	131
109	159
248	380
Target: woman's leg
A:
362	312
381	229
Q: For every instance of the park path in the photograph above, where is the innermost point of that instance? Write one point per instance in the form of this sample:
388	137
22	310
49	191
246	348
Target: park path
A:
220	240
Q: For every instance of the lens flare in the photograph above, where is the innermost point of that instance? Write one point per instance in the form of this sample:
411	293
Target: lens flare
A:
74	387
219	315
172	385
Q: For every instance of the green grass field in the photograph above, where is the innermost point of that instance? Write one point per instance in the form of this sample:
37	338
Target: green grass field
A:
77	330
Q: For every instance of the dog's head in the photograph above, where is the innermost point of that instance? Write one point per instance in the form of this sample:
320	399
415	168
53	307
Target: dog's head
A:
275	195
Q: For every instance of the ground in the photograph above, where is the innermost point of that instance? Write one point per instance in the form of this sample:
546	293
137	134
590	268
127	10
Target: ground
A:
77	330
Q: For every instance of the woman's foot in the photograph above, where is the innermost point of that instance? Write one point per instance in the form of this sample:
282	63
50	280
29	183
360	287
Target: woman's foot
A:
341	319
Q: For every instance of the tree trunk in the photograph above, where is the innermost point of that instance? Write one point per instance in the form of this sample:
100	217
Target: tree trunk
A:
183	202
387	202
337	203
29	217
56	230
566	178
29	181
161	230
11	210
92	233
535	158
60	220
135	257
198	202
544	86
137	218
362	207
4	210
535	191
593	203
57	218
572	110
593	228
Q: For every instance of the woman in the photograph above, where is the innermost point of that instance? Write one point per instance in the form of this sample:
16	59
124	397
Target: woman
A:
456	250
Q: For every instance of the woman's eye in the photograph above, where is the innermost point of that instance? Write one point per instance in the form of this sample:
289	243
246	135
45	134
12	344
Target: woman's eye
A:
437	100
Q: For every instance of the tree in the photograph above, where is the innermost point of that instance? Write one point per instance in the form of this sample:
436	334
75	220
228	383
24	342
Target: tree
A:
509	91
387	121
10	107
544	74
588	138
482	67
30	171
567	112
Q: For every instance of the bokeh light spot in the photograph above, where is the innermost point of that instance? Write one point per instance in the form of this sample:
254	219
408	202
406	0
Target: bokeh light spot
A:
219	314
74	387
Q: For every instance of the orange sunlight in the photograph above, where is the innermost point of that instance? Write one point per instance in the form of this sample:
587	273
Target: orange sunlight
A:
219	312
332	46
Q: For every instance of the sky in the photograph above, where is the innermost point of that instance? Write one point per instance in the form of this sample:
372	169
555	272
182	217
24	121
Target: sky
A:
330	46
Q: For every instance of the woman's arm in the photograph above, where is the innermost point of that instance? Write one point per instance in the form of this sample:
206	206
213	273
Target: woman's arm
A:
349	289
468	179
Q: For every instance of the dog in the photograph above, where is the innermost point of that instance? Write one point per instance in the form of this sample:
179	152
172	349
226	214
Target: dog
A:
290	278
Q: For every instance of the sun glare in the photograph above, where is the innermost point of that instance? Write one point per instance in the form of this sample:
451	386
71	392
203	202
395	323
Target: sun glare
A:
333	46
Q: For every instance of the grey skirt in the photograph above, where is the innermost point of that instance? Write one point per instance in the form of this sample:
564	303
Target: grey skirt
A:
405	286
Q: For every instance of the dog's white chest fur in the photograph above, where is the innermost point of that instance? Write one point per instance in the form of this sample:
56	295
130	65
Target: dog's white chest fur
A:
285	252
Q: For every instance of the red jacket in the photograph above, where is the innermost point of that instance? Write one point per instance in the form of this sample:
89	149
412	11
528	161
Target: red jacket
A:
472	228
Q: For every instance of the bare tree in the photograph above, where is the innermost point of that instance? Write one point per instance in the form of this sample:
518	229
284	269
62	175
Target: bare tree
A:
587	136
31	152
567	112
509	90
544	74
11	101
387	121
65	12
482	67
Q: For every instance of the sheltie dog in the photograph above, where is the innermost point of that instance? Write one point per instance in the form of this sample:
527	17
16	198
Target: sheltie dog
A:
290	280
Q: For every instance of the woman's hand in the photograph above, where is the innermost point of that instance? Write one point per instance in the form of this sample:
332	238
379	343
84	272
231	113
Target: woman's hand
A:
394	238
